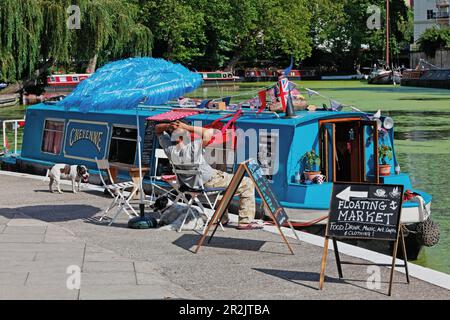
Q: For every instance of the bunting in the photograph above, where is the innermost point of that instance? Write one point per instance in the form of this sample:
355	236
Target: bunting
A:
336	106
311	92
262	100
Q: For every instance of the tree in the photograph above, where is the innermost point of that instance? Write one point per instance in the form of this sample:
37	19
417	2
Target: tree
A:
178	28
433	39
340	29
34	34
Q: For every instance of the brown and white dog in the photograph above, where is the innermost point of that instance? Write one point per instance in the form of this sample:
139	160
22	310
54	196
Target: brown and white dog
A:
75	173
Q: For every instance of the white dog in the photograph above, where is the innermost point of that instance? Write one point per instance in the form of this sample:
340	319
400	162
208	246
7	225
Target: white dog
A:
75	173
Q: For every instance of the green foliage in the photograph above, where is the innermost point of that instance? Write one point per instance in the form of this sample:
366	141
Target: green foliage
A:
433	39
311	160
33	31
203	34
339	28
384	153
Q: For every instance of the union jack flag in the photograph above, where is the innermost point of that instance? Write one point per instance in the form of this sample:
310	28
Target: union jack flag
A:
283	85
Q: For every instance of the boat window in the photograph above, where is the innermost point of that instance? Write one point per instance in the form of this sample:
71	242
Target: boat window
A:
75	79
122	148
53	136
268	153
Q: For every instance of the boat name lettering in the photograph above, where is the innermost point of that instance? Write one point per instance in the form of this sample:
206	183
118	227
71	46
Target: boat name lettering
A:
82	134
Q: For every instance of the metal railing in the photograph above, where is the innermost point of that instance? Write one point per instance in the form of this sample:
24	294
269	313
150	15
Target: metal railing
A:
15	126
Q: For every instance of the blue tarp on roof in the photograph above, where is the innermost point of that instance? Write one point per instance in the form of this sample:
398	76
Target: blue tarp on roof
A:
124	84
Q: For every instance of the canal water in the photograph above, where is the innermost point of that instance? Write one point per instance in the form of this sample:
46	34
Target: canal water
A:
422	138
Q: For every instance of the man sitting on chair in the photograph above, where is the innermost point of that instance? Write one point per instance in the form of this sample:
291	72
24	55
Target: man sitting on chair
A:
181	149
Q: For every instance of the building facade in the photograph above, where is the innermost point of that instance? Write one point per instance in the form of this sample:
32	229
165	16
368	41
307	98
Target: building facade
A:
430	13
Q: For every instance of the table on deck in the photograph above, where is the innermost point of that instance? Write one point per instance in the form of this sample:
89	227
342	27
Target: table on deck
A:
133	172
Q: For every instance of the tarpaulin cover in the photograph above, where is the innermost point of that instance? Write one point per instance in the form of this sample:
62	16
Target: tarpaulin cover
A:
125	83
173	115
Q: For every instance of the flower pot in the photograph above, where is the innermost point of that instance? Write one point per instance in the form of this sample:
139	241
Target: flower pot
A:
310	175
385	169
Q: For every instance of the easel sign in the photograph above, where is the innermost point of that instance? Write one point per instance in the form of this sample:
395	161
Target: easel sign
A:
365	211
262	185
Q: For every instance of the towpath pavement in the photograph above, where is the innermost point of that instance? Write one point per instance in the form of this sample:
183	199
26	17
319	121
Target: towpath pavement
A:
47	240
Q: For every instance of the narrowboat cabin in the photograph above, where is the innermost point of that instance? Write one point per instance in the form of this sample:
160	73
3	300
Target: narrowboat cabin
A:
346	143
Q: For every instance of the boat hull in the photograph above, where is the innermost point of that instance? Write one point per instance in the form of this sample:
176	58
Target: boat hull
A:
385	78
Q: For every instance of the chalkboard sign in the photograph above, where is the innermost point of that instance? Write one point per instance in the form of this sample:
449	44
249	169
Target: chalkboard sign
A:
265	191
262	186
148	145
365	211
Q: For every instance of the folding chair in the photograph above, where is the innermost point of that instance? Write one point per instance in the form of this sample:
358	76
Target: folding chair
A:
164	183
184	191
116	190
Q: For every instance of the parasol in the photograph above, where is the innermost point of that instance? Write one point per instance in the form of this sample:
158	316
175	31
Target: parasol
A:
125	84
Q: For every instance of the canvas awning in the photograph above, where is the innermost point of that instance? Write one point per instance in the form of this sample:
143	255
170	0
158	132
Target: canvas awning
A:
173	115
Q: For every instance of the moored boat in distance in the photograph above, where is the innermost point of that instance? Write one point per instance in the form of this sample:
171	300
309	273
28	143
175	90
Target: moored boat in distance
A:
9	100
268	74
382	76
220	76
426	75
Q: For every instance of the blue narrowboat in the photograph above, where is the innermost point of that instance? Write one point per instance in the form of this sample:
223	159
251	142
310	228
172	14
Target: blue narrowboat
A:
346	143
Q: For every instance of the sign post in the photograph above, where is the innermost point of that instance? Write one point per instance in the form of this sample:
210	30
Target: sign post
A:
275	210
365	211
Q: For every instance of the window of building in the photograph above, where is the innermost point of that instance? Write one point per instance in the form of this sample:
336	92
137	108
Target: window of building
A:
53	136
122	148
430	14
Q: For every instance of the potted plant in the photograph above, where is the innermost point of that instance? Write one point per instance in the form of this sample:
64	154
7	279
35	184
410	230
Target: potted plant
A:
312	163
384	154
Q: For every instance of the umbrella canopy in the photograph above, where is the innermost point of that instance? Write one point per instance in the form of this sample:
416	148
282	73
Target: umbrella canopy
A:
125	83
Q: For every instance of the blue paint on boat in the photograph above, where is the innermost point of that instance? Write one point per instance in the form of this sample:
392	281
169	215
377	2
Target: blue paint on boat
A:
89	135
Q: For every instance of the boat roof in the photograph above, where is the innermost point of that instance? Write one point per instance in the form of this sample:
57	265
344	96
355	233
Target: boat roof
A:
303	117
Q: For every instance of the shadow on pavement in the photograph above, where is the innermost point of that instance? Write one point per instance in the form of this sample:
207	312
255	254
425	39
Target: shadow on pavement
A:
53	213
189	243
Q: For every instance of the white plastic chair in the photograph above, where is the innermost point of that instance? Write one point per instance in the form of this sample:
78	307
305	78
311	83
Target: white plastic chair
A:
116	190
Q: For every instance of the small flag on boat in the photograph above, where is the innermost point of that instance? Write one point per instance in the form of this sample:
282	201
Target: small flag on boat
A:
311	92
262	100
336	106
226	100
272	94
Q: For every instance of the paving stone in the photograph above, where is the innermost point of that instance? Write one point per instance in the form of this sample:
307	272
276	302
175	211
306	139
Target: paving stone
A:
24	230
126	292
20	222
37	266
107	278
21	238
12	278
37	292
103	256
108	266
